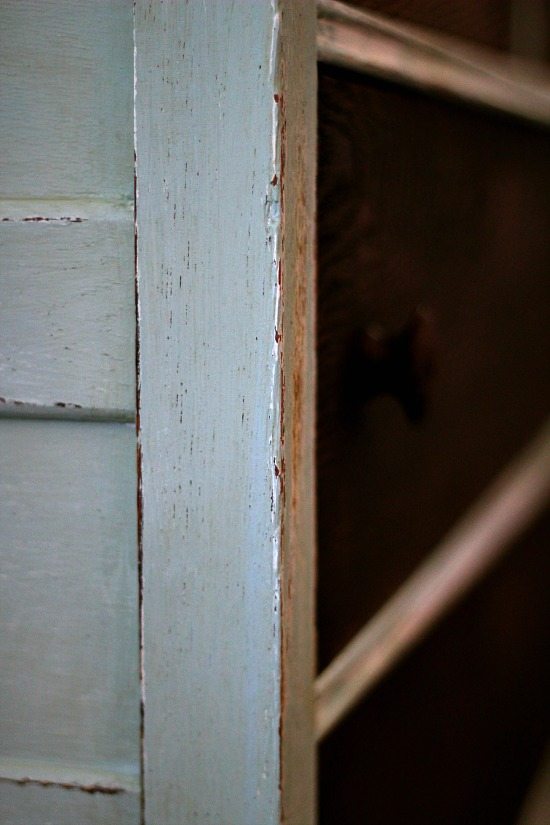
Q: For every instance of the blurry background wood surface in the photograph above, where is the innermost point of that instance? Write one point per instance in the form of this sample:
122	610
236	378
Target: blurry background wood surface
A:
432	205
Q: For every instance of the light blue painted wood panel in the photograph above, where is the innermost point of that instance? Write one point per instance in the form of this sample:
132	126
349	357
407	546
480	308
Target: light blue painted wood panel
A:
67	312
35	805
208	217
69	683
66	98
225	136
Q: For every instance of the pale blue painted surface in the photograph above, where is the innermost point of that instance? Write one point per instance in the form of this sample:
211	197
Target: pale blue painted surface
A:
69	680
209	153
208	298
64	106
35	805
211	131
67	317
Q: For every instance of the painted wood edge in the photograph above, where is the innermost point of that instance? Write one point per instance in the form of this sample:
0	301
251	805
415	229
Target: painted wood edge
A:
297	133
10	408
444	66
50	774
226	752
479	539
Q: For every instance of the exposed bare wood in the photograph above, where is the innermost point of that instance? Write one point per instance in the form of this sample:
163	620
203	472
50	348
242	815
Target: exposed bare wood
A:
438	64
477	541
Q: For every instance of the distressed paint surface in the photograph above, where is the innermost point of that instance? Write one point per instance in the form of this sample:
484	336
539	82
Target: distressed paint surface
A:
69	680
216	442
67	325
66	103
35	805
68	602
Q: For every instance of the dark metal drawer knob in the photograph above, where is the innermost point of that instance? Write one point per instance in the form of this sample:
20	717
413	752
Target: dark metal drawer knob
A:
400	365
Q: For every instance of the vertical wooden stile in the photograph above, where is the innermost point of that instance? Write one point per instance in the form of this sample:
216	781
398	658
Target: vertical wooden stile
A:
225	144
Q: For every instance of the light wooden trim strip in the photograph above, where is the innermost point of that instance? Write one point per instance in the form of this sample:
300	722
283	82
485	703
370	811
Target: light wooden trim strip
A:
437	64
476	542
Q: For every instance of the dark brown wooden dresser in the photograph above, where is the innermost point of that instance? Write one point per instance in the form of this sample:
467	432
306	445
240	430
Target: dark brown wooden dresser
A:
433	374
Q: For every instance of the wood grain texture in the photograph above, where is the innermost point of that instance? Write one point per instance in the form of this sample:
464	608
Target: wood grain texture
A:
67	318
213	141
66	102
69	645
35	805
297	83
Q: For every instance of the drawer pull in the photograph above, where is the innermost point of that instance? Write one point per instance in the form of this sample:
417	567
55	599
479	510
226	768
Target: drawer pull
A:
400	364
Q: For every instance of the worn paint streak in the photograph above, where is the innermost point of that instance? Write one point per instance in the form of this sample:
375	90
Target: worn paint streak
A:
68	786
37	804
210	338
41	219
139	496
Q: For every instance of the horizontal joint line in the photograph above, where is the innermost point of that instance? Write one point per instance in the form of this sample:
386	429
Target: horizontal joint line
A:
61	411
68	786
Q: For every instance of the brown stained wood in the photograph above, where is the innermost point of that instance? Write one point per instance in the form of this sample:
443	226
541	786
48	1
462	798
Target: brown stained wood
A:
426	204
483	21
480	539
453	736
421	204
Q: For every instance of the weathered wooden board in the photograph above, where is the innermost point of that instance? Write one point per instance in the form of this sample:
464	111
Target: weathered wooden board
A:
69	682
66	101
67	318
225	160
36	805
